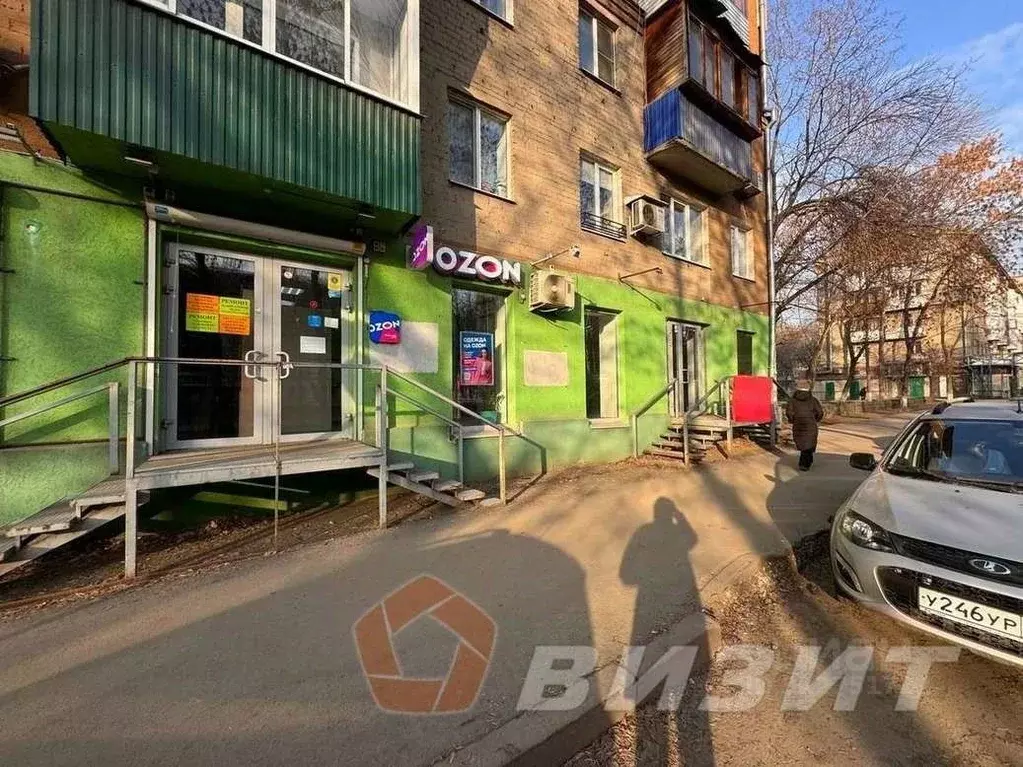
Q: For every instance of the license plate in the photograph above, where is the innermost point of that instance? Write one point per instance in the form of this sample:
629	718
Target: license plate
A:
969	613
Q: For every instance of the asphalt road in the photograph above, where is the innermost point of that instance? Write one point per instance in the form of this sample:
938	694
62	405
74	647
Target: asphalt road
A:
254	663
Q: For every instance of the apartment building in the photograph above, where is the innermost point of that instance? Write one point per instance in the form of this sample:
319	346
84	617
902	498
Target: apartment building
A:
929	348
537	214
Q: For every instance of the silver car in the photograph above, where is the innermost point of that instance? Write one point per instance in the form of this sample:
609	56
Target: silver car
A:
934	537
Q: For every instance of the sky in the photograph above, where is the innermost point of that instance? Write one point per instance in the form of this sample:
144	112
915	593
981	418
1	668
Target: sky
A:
986	34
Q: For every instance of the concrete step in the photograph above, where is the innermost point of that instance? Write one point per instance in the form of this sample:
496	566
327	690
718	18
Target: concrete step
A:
446	485
488	502
423	476
469	495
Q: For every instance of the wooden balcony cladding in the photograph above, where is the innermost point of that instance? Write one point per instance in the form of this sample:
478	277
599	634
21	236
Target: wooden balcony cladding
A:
141	77
666	57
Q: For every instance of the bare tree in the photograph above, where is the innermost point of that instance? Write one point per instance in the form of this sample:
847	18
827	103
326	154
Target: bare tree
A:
846	104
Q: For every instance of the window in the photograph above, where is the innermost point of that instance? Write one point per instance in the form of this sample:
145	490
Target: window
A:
478	340
744	353
497	7
597	47
697	70
753	99
601	352
686	237
729	82
238	19
478	146
369	43
599	199
742	260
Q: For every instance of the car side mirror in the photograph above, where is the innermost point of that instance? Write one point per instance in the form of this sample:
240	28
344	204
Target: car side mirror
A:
863	461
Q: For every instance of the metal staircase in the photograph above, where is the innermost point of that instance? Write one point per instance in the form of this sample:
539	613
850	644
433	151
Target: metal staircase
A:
135	468
708	425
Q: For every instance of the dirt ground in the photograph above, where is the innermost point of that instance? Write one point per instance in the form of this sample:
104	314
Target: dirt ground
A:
970	713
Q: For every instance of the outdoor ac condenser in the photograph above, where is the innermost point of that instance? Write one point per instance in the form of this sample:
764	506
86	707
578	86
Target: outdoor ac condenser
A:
646	217
550	291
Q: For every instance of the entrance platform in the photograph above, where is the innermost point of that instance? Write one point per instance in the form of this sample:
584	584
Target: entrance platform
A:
199	467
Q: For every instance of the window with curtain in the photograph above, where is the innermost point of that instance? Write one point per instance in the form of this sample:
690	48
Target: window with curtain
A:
370	43
742	258
686	236
598	198
478	147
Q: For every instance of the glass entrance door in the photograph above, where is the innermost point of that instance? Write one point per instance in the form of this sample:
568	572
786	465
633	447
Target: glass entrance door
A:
313	306
212	312
684	343
229	306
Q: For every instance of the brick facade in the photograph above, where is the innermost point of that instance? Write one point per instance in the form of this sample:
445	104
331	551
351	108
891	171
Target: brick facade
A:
530	71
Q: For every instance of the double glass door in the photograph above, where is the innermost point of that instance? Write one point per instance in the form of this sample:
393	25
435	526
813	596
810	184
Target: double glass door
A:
685	354
221	305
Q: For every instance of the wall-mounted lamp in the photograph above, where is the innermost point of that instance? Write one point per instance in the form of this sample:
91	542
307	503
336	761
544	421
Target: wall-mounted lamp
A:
575	251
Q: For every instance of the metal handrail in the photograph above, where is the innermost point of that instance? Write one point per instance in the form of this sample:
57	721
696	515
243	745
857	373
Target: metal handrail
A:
642	411
113	426
13	399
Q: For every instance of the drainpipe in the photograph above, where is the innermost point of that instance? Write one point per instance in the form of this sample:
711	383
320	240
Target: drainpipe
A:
772	306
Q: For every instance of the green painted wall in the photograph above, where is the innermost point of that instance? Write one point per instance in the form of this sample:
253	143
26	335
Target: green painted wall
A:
74	301
554	417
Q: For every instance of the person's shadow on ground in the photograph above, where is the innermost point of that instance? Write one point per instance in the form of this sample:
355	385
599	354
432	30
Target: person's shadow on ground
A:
656	562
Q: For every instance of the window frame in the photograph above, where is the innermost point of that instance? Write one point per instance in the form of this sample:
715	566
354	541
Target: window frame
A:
616	193
268	46
704	235
751	272
714	52
509	7
478	111
751	337
612	324
596	21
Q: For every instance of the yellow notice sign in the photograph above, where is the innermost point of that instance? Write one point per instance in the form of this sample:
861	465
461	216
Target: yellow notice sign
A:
235	307
202	322
334	281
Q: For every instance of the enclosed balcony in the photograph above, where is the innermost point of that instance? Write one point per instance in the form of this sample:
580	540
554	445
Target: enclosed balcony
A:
683	140
249	97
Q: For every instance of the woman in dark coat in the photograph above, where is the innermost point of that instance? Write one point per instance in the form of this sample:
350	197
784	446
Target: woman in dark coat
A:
804	412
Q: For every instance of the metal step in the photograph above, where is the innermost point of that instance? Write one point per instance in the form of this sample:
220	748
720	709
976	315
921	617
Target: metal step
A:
56	517
402	481
106	493
401	467
423	476
470	495
44	544
8	548
679	446
446	485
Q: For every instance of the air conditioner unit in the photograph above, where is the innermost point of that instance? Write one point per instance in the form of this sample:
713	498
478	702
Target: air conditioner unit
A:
647	217
550	291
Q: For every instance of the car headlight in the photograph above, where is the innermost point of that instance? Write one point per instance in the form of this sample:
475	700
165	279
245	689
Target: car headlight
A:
865	533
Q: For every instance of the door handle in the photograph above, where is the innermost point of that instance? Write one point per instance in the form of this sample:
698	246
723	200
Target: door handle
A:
251	371
286	366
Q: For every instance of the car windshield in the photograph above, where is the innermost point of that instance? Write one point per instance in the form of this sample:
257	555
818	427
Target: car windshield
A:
987	453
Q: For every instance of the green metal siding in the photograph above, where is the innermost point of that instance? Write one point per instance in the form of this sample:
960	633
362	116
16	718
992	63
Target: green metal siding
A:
141	76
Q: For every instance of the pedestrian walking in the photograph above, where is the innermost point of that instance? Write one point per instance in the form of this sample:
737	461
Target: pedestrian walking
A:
804	412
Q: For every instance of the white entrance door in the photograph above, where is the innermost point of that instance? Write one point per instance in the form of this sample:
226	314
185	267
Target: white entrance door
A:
684	345
222	305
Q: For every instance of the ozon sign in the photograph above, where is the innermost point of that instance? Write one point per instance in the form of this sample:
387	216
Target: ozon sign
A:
461	263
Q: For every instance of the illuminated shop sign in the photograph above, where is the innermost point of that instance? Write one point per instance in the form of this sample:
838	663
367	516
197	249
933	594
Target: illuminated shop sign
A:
460	263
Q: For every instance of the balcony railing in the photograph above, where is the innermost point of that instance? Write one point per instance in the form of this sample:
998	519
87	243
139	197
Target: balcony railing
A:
604	226
677	132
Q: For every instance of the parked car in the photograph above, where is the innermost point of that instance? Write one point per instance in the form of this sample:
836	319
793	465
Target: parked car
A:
934	536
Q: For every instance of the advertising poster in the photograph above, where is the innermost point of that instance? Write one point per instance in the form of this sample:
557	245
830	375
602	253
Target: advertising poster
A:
476	352
217	314
384	328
